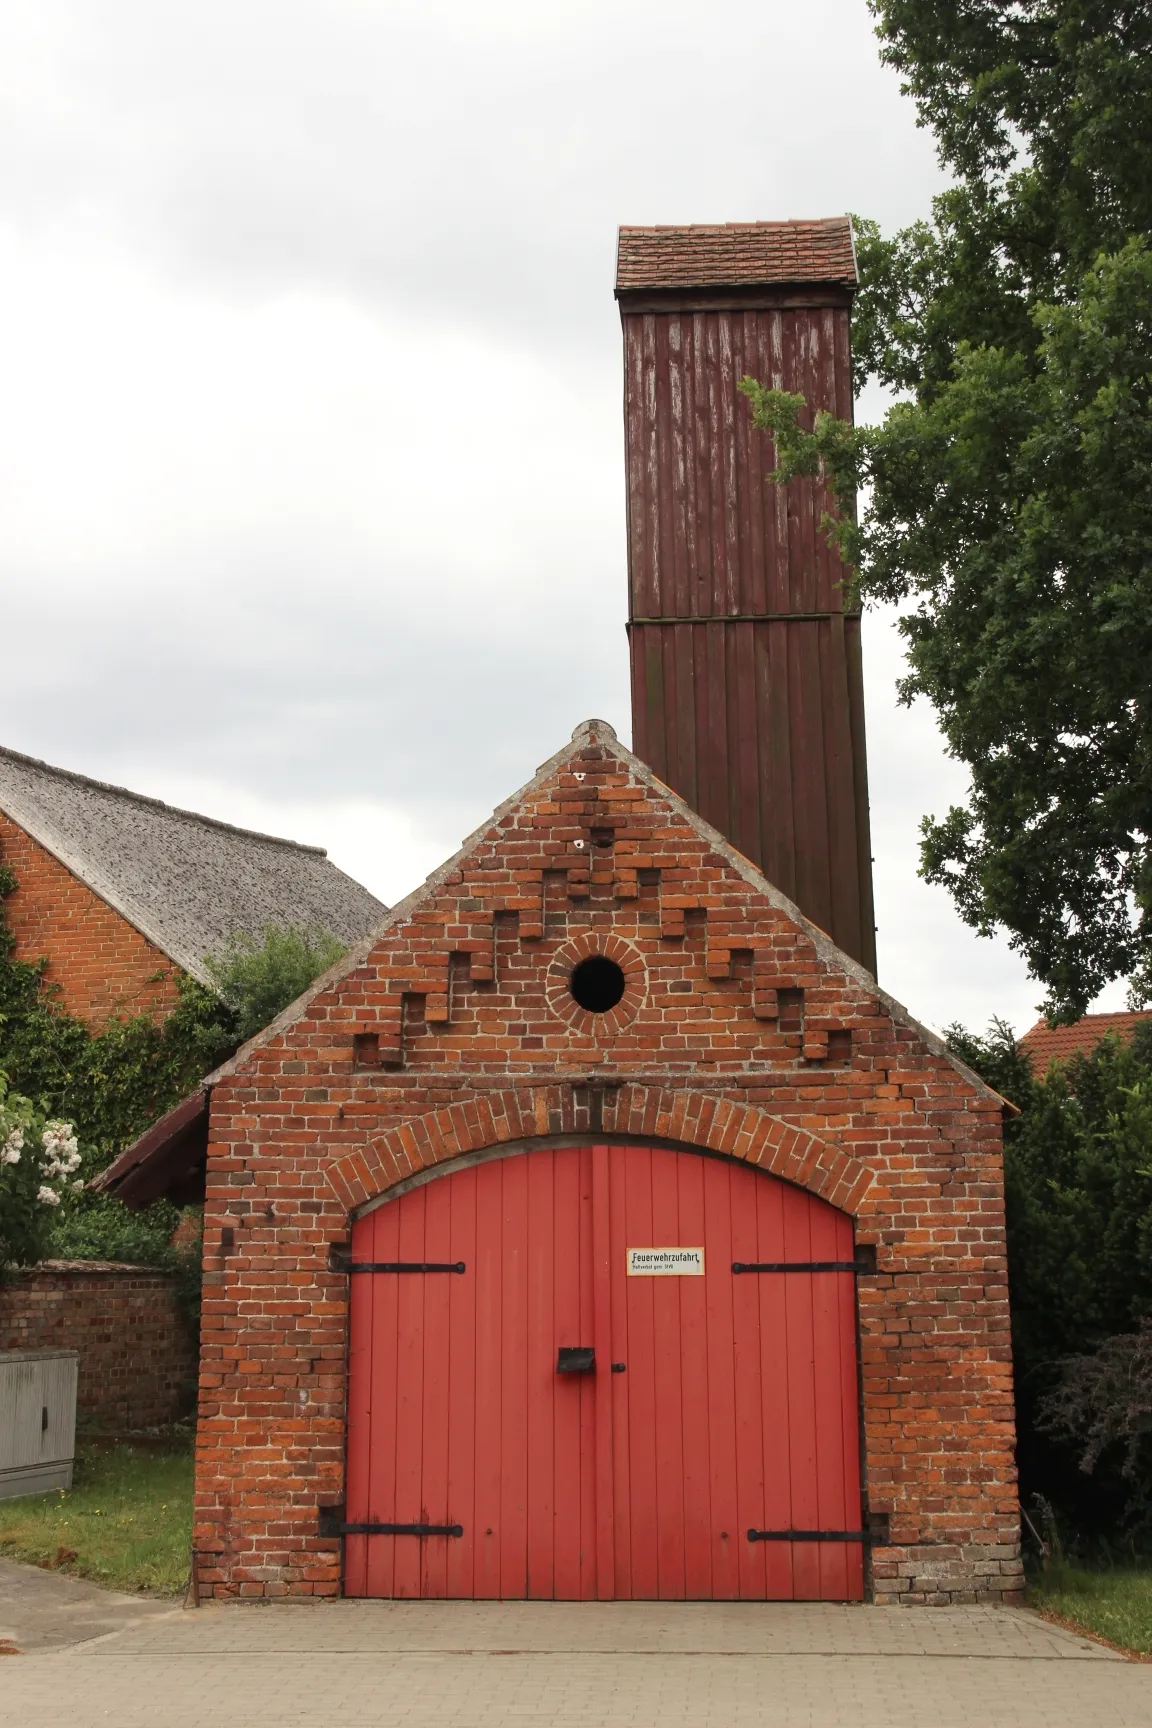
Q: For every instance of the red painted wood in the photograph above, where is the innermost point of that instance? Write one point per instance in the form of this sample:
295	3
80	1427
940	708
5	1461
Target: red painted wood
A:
621	1437
563	1238
696	1395
724	1537
437	1387
489	1365
737	1410
637	1348
460	1553
362	1308
541	1498
602	1342
382	1242
513	1438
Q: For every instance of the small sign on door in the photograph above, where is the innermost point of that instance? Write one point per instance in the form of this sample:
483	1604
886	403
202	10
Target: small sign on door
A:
665	1262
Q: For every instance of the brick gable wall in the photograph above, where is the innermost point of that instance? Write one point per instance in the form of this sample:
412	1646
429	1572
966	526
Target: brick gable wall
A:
740	1031
101	964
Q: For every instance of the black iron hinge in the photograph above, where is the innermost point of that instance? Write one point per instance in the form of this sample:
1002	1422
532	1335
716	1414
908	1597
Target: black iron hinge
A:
399	1530
876	1535
332	1524
405	1266
863	1265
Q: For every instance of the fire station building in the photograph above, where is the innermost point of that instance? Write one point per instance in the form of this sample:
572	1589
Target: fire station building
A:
599	1228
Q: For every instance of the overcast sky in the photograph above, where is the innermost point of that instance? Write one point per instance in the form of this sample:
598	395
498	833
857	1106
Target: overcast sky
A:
311	461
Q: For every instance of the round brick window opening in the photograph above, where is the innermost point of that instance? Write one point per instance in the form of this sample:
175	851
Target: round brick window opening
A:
597	983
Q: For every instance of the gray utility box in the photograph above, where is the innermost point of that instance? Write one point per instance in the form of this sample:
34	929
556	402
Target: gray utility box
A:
37	1420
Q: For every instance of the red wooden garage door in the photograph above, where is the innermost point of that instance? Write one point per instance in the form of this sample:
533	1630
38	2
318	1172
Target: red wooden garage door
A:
719	1402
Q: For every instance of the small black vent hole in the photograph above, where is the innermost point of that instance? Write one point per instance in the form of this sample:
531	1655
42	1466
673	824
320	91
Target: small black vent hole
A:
597	984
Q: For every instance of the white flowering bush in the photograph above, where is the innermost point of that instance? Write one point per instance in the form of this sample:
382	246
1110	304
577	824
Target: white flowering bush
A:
39	1161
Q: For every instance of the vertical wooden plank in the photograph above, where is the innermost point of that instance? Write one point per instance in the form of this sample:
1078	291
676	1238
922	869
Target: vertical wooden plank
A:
780	1582
697	1391
721	1184
410	1288
360	1314
543	1392
621	1444
564	1244
750	1396
514	1381
433	1503
805	1511
587	1388
461	1559
848	1343
837	1466
644	1578
670	1557
384	1295
602	1384
489	1372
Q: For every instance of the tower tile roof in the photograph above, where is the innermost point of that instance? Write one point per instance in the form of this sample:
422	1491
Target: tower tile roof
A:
736	254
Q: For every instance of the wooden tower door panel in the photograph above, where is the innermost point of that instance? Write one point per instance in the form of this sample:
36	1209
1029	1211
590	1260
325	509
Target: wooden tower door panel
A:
716	1402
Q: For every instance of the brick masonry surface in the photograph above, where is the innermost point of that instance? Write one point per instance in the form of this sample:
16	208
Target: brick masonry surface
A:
741	1030
100	963
137	1357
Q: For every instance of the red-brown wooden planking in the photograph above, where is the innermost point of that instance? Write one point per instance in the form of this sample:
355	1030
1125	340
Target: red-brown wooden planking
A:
736	1409
747	689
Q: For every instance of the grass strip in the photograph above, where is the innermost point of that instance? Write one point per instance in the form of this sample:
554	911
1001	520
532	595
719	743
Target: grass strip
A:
125	1522
1115	1602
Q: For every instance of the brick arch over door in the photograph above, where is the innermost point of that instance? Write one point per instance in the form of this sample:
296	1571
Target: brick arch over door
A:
691	1118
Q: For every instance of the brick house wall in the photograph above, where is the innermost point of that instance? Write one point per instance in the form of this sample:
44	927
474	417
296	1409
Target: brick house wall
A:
741	1031
100	962
137	1357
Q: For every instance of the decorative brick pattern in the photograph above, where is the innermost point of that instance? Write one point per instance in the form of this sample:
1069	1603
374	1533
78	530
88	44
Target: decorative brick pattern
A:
734	1042
137	1357
101	964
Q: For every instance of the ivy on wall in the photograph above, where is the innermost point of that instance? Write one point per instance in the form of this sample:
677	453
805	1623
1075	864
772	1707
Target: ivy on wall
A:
113	1083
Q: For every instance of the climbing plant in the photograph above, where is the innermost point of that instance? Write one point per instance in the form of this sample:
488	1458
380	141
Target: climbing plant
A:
112	1083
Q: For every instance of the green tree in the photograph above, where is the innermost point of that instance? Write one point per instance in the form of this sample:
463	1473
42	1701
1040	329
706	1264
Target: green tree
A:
258	976
1078	1197
1009	487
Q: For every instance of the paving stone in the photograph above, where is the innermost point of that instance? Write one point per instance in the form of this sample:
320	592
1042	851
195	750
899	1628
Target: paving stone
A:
620	1665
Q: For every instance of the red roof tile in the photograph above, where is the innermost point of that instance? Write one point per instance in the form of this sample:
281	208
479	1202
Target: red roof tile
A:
1044	1045
736	254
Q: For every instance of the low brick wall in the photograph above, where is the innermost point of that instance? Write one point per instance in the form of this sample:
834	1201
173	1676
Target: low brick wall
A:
137	1360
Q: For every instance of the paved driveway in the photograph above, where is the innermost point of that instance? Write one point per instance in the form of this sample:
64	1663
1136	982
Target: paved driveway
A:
465	1665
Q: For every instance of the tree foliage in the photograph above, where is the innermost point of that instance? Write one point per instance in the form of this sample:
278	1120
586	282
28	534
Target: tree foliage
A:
258	976
1010	485
1078	1195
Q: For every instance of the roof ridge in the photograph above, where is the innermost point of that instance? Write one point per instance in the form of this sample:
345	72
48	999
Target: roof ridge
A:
745	222
158	803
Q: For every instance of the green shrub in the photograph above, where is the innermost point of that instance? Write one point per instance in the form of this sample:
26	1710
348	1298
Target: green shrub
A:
1078	1193
38	1164
259	976
112	1084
